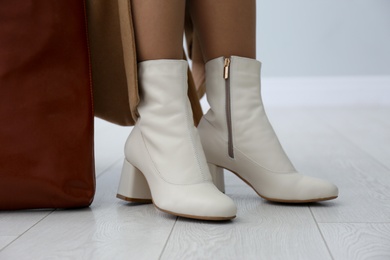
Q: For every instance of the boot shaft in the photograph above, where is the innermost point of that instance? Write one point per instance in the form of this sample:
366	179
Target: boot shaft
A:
230	81
161	84
237	113
166	125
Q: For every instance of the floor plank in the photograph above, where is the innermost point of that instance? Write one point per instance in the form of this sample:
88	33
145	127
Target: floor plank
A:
15	223
360	127
381	113
261	230
318	150
357	241
5	240
110	228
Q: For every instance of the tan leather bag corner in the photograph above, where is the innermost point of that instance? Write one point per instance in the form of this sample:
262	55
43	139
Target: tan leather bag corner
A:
113	89
114	63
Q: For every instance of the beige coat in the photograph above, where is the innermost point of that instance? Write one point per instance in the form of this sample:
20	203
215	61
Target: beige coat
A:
114	63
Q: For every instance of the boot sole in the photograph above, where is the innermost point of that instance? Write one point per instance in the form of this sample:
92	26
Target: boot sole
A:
280	200
147	201
196	217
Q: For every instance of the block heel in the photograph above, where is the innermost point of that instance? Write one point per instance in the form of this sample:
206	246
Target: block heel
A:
133	185
218	177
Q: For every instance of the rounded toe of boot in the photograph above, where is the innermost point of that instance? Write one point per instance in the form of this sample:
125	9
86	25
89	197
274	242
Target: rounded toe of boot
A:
328	190
314	189
209	204
298	188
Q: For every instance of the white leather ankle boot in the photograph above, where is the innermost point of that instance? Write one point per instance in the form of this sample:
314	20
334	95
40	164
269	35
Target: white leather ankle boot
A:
164	153
236	135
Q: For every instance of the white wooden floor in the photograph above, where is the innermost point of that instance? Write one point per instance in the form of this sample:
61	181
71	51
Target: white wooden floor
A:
341	134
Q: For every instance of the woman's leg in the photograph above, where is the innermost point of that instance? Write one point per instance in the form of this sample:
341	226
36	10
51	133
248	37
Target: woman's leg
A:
225	27
158	27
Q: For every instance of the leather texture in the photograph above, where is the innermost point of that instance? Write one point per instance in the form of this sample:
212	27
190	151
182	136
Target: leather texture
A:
46	114
114	63
115	90
164	145
259	159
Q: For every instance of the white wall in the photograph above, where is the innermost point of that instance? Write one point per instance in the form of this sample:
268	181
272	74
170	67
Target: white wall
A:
323	37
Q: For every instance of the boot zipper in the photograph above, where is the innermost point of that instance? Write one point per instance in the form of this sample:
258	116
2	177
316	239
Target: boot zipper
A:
226	71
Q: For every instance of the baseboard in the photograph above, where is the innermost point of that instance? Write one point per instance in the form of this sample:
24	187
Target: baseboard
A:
327	91
362	91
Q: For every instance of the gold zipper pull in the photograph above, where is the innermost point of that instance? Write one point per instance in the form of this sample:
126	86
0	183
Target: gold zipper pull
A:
226	68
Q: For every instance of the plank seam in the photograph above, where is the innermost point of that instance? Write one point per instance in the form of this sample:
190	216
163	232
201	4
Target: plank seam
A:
169	236
27	230
322	235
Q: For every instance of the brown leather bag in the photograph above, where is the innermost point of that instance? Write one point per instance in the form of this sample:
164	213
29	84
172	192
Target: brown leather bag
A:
46	115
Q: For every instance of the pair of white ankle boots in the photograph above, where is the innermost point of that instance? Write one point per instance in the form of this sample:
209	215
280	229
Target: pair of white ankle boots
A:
179	167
